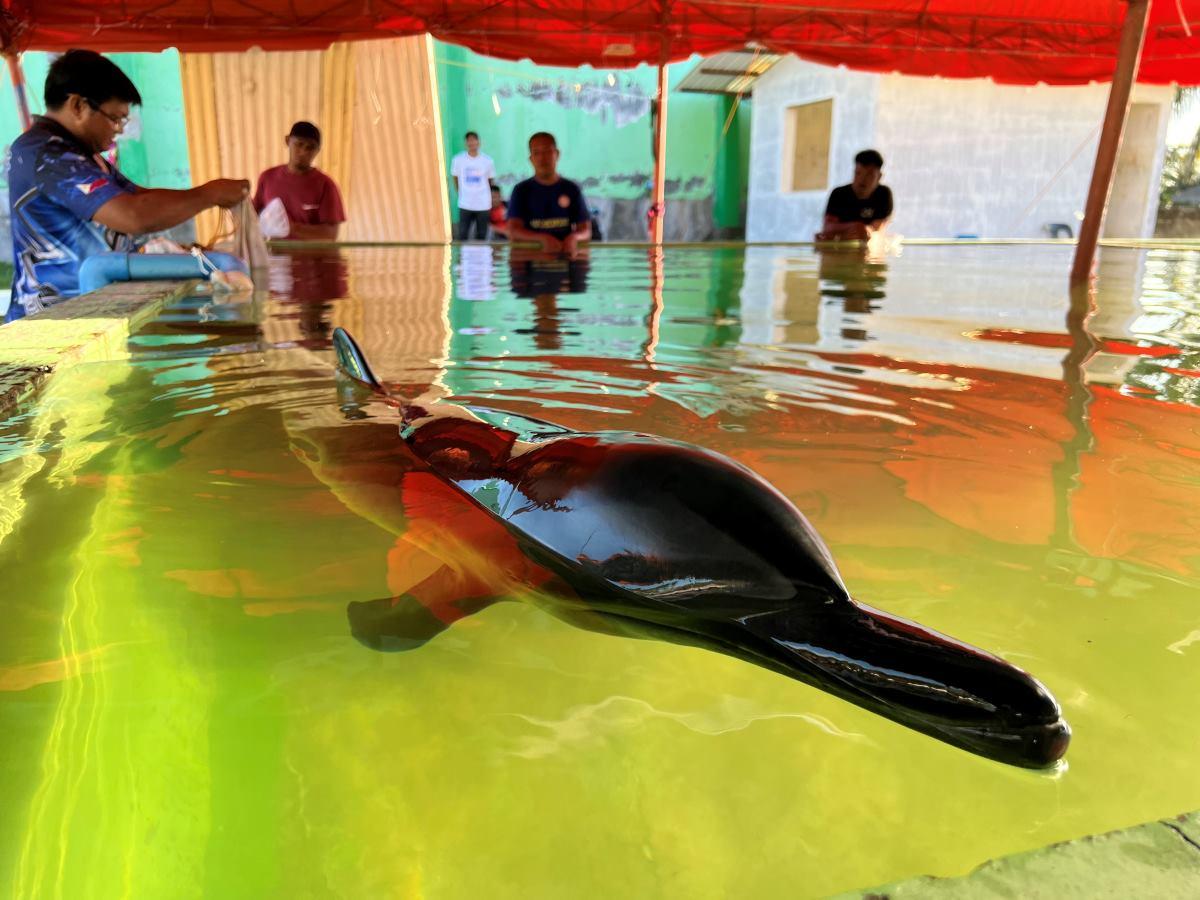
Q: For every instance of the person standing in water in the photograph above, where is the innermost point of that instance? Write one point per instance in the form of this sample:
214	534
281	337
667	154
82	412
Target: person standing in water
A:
474	177
310	198
860	209
547	209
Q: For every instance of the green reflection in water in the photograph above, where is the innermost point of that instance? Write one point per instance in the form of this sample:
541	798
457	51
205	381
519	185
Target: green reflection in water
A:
185	713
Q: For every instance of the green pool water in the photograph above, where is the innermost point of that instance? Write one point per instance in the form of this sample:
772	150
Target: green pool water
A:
185	713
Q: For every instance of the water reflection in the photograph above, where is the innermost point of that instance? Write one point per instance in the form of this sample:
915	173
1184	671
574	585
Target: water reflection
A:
854	276
474	271
540	275
979	463
542	278
306	284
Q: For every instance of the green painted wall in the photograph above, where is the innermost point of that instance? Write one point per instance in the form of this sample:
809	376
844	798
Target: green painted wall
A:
153	151
733	163
602	121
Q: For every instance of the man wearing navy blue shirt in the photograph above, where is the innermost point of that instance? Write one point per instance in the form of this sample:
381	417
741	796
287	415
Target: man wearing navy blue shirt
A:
67	203
547	209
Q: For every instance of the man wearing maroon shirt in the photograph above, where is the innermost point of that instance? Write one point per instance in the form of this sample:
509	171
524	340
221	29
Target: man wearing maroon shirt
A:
310	197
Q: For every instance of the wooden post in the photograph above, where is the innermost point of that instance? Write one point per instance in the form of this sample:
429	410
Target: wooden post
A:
658	207
654	319
17	76
1129	56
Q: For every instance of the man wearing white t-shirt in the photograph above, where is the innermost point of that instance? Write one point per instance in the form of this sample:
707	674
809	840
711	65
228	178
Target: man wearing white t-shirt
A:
474	175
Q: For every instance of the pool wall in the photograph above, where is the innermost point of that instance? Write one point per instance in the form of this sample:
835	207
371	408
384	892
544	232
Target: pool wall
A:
89	328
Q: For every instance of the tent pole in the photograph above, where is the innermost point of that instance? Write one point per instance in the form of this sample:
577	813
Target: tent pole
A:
1129	56
658	202
17	76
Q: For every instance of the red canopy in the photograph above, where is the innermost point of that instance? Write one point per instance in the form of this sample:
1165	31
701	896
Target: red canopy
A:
1015	41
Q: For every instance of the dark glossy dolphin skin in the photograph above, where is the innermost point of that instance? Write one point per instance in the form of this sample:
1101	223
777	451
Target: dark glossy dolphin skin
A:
650	537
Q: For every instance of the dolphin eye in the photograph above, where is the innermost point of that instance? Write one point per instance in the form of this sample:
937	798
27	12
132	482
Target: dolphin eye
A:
631	568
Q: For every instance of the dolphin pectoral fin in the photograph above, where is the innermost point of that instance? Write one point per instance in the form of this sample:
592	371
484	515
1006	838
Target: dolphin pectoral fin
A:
393	623
406	623
917	677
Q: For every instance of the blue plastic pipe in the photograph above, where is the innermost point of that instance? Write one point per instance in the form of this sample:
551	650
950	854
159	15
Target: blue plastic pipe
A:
105	268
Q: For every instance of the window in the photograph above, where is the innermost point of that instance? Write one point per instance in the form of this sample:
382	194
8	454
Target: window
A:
807	130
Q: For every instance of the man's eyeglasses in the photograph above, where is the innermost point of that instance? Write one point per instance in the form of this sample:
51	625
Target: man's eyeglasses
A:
119	121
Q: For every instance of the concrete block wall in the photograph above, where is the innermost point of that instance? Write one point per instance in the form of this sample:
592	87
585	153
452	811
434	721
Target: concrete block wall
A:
771	213
975	157
963	157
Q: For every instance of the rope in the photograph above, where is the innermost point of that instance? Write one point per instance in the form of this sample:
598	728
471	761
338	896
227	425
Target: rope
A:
1187	28
226	228
1049	184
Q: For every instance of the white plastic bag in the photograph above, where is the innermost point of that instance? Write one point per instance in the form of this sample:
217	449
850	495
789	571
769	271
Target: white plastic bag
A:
161	244
248	240
273	221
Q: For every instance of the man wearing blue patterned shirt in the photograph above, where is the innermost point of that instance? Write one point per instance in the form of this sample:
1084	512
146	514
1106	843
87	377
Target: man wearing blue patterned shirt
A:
66	202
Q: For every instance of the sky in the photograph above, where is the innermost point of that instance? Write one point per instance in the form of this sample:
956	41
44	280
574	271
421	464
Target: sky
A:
1183	126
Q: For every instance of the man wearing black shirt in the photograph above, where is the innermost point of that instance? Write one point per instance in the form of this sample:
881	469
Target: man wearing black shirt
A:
547	209
857	210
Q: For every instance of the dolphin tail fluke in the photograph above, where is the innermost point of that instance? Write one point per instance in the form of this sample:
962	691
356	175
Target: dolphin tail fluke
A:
351	361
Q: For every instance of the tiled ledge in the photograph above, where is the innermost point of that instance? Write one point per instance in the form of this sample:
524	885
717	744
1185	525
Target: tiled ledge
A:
1157	859
93	327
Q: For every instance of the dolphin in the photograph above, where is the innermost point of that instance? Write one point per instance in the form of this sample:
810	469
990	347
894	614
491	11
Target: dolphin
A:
637	535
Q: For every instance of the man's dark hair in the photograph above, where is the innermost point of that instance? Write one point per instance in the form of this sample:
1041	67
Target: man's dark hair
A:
869	158
91	76
306	130
543	134
470	134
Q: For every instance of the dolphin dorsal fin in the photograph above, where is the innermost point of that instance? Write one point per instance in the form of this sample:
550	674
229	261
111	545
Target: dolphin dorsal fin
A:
351	362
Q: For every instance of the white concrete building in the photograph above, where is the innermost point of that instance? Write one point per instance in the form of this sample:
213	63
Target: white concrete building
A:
962	157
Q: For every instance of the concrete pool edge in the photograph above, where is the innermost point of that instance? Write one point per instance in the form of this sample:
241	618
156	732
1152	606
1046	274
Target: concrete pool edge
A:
1189	244
1154	859
89	328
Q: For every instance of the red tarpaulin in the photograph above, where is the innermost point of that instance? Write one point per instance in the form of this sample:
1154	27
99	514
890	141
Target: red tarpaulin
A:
1014	41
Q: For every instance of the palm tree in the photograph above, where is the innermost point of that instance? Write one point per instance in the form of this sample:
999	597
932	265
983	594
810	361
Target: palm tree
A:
1185	101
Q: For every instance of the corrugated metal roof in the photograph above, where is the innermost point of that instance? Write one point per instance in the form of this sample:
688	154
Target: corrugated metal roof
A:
376	105
728	73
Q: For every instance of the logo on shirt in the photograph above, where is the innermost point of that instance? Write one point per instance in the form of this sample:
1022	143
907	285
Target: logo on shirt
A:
86	189
868	213
564	201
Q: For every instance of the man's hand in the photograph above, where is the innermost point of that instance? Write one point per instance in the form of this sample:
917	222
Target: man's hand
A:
844	231
519	233
157	209
570	245
226	192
